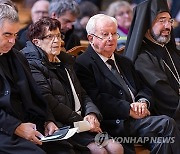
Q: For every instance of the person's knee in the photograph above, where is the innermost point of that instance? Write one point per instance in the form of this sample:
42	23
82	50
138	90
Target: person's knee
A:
95	149
114	148
168	121
168	124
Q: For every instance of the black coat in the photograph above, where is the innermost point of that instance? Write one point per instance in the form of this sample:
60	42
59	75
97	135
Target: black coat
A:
35	107
71	39
159	79
22	36
53	89
28	105
105	90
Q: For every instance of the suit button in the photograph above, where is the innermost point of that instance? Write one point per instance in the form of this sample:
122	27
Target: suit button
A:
118	121
6	92
120	92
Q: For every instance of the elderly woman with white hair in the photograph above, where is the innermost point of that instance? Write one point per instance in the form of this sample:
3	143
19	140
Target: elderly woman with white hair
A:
122	12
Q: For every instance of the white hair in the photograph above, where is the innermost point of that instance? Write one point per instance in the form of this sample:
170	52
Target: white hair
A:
116	6
91	25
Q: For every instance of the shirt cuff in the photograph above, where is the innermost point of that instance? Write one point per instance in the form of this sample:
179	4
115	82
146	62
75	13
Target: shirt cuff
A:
142	100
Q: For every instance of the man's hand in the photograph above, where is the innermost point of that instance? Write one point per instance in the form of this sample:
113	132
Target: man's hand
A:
29	132
140	109
50	128
94	123
134	115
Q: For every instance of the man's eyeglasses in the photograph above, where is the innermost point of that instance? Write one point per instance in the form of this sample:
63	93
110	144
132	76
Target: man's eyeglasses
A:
164	21
53	36
106	36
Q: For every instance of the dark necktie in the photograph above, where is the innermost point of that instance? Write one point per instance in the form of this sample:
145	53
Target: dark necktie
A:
119	77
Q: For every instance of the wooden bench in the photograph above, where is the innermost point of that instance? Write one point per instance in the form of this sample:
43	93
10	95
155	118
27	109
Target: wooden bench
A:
77	50
141	150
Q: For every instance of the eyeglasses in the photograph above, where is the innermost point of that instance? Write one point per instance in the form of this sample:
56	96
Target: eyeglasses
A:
53	36
106	36
164	21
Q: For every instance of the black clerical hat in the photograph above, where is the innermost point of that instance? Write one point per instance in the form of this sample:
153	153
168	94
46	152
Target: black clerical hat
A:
144	14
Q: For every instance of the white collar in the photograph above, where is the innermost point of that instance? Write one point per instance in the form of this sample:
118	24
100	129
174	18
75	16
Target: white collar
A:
104	59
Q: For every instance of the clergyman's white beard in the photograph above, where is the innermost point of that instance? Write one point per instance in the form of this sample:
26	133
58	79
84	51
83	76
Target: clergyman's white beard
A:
161	39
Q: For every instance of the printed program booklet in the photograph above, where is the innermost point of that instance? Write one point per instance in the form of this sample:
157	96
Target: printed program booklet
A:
61	134
66	132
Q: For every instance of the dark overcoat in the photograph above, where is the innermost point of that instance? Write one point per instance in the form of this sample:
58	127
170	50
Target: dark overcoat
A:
30	108
52	88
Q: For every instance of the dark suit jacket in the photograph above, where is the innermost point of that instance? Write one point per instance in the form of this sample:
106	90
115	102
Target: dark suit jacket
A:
106	91
71	39
35	107
22	36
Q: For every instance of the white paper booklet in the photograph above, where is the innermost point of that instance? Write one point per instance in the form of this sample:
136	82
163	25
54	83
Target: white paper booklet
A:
82	126
61	134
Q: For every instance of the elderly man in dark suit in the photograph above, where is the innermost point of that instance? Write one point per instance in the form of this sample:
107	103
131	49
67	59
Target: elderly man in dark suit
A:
111	81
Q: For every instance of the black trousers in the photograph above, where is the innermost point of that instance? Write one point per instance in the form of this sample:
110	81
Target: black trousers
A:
152	128
157	126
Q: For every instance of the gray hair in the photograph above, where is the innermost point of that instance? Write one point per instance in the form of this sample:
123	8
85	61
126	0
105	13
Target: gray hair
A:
8	13
91	25
10	3
59	7
115	6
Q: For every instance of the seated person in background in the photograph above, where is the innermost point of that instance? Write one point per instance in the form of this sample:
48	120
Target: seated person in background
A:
85	14
23	111
121	10
66	11
38	10
112	83
98	3
59	85
155	56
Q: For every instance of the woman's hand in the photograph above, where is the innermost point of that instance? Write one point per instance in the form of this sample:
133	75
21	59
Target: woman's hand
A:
94	123
50	128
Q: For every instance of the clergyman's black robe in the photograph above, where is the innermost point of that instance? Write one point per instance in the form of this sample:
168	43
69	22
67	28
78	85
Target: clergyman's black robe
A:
159	78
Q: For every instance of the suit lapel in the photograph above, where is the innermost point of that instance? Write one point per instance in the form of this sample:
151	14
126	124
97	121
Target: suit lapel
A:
102	67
